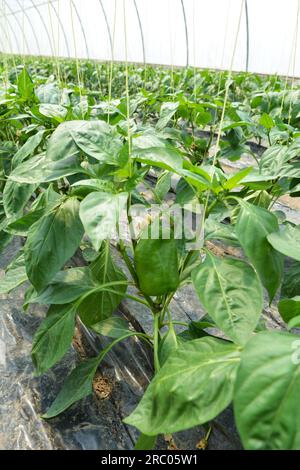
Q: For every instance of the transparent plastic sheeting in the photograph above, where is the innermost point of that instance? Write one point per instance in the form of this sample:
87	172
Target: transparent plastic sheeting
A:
171	32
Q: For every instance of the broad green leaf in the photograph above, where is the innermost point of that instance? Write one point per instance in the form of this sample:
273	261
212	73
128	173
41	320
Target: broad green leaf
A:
25	85
289	308
166	158
215	230
167	111
114	327
287	241
45	202
266	397
157	268
193	387
15	276
53	111
93	138
52	241
96	139
54	337
275	160
203	118
233	181
96	185
101	305
100	213
253	226
145	442
48	93
231	293
28	148
151	149
290	284
266	121
39	169
78	385
66	287
15	197
163	185
61	144
168	345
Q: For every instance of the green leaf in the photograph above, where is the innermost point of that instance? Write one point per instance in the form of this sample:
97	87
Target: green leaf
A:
100	213
289	308
66	287
39	169
15	275
93	138
151	149
96	185
101	305
53	338
157	268
167	111
266	397
287	241
266	121
15	197
53	111
114	327
233	181
163	185
51	242
168	345
291	285
78	385
28	148
44	203
231	293
193	387
25	85
253	226
145	442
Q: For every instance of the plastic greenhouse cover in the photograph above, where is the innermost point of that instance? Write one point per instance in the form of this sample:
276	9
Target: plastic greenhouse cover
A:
194	32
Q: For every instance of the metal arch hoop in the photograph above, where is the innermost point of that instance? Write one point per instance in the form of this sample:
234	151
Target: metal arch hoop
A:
186	34
18	23
44	24
62	28
32	28
107	27
141	30
82	29
248	36
13	31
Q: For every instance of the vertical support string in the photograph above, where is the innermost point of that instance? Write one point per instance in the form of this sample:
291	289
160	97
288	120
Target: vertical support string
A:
127	79
225	100
110	75
75	49
294	60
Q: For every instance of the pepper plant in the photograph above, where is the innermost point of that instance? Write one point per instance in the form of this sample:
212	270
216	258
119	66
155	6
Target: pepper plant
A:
81	166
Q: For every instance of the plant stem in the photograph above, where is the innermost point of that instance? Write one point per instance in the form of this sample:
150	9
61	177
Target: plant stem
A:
156	341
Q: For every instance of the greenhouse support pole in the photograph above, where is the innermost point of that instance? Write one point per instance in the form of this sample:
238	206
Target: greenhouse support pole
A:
248	36
107	27
31	26
141	31
186	34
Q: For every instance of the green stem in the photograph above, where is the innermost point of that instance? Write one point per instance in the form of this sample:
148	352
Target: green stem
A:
156	341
